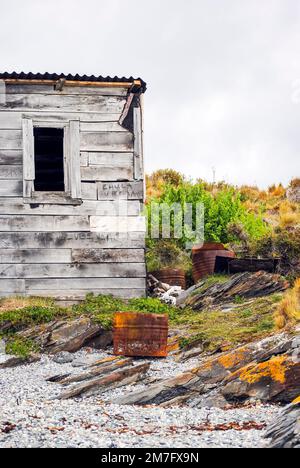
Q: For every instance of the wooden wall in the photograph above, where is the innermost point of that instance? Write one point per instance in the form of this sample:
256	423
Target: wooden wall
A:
66	251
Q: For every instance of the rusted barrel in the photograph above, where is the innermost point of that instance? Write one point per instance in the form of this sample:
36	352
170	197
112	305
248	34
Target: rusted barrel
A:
171	276
140	335
204	259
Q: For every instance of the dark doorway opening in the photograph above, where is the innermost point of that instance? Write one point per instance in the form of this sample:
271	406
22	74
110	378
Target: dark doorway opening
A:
49	160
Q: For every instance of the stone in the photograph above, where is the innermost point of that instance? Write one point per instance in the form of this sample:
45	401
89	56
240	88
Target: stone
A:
8	361
99	385
276	380
63	358
210	374
59	336
285	431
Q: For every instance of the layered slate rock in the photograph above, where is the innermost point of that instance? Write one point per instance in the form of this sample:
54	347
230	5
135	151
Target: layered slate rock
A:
69	336
245	285
214	372
285	431
277	380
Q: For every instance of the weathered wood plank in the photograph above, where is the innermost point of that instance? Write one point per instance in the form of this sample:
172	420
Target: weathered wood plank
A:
121	224
11	139
101	127
75	159
16	286
16	206
80	103
89	191
108	159
11	188
85	284
105	270
36	256
123	190
38	223
12	120
11	157
67	90
104	173
138	145
28	152
75	240
107	141
11	172
106	256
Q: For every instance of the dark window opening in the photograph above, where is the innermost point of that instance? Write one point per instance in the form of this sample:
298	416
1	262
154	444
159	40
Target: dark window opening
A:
49	160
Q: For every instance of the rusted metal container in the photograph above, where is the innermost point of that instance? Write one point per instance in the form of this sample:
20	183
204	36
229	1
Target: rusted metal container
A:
204	259
140	335
171	276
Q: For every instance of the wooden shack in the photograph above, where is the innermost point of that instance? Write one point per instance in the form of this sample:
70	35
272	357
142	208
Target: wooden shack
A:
71	186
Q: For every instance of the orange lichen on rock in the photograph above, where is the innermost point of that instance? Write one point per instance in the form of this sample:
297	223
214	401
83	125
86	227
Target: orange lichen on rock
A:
297	401
275	369
233	359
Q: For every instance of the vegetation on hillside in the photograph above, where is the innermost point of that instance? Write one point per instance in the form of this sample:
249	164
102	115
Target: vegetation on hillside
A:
254	222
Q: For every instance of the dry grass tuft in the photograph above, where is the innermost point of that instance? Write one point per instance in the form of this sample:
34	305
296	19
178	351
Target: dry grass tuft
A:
288	311
17	303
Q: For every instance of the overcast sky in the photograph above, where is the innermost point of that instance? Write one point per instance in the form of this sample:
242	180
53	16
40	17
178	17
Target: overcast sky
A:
223	75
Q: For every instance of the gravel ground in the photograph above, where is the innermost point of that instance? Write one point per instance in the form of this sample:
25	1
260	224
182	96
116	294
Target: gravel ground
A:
32	417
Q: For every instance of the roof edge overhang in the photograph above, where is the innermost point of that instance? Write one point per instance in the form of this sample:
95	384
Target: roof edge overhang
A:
133	85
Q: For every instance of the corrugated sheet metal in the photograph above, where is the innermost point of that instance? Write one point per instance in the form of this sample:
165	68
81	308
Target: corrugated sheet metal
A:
70	77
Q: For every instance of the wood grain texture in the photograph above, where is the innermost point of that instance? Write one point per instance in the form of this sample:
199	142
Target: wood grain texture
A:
138	145
16	206
66	91
65	284
10	139
39	223
108	159
108	255
12	120
74	240
11	188
35	256
106	173
106	141
107	270
9	287
80	103
11	172
11	157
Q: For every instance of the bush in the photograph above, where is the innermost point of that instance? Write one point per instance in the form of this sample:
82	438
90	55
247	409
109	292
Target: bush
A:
221	210
162	254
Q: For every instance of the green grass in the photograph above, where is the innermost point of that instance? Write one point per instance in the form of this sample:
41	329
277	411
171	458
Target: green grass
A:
248	320
21	348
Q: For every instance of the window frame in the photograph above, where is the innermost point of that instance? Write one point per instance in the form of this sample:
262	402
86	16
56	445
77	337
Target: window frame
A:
72	194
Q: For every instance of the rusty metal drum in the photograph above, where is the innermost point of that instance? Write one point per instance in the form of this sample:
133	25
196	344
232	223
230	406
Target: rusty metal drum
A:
171	276
204	259
140	335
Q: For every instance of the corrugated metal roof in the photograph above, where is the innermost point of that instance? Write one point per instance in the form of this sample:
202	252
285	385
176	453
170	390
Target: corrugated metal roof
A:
70	77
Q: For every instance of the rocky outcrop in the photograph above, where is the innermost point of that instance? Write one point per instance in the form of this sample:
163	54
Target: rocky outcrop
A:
105	381
285	431
69	336
244	285
267	370
277	380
